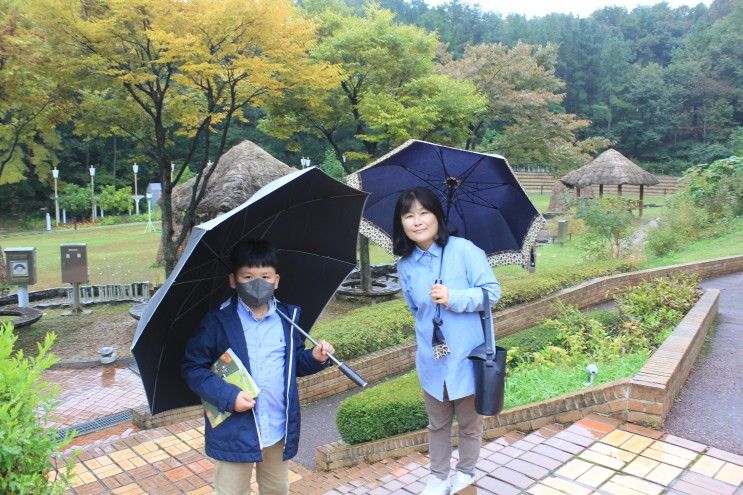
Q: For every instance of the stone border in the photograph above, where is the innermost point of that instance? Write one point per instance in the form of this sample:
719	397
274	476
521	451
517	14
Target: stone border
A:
645	398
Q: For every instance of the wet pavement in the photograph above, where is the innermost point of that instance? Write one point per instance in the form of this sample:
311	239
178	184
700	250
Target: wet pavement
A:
710	406
595	455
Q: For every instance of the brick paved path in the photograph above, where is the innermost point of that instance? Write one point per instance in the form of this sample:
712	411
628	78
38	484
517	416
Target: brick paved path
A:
595	455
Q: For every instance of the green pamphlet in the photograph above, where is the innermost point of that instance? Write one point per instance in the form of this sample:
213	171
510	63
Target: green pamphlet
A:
232	370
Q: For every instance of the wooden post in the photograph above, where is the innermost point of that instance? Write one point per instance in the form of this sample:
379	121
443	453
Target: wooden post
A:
601	190
641	195
577	192
619	190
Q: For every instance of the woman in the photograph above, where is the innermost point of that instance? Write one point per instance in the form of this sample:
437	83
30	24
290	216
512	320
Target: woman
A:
438	269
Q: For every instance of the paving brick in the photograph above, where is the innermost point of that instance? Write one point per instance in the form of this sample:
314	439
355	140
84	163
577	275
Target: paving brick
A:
531	470
682	442
726	456
603	460
638	485
708	466
497	486
566	486
574	469
708	483
730	473
617	437
512	477
552	453
595	476
664	474
640	466
541	460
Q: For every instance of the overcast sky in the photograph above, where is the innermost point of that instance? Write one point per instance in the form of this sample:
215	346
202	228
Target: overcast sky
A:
581	8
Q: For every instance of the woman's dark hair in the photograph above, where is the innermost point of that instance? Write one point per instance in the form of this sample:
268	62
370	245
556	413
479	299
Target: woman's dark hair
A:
401	244
253	253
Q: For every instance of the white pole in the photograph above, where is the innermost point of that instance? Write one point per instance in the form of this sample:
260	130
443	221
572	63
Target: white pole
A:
23	296
48	221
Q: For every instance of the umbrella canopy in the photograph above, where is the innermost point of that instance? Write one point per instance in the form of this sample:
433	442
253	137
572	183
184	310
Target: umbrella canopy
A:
312	220
609	168
484	200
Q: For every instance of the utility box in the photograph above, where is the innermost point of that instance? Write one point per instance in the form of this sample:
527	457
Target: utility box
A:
74	263
21	265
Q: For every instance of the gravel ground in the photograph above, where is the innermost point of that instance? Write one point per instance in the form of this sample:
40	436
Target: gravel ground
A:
709	409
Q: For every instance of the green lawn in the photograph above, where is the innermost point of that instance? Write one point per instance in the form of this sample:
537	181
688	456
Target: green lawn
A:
116	254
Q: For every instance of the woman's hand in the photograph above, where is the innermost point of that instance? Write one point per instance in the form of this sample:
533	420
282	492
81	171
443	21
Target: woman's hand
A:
321	351
243	402
440	294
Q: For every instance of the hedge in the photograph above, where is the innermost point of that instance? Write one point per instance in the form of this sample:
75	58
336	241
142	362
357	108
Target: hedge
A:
383	411
368	329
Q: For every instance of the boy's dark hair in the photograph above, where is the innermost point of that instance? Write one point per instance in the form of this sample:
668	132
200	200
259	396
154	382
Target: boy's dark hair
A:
401	244
253	253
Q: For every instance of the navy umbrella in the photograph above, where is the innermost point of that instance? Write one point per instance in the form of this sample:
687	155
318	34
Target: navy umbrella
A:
481	196
312	220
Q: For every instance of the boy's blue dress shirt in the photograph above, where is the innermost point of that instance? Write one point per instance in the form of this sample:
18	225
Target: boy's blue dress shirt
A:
265	341
465	270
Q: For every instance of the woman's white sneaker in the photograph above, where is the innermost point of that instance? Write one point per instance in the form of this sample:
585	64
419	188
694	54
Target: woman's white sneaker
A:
436	486
461	480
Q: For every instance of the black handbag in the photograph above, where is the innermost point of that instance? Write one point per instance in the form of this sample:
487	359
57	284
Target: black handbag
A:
489	361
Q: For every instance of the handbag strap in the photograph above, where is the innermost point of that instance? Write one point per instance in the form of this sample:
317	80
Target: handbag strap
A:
486	319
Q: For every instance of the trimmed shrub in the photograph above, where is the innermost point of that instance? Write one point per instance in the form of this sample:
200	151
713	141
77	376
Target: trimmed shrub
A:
383	411
368	329
28	449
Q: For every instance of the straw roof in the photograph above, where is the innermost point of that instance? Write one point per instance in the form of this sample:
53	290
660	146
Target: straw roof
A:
239	173
609	168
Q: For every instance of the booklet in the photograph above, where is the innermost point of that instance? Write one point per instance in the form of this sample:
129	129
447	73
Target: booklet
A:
232	370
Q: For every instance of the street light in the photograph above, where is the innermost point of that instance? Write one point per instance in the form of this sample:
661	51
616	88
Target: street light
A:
150	227
135	169
306	162
55	174
92	193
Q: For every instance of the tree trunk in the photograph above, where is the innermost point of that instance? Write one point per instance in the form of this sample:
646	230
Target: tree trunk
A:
364	264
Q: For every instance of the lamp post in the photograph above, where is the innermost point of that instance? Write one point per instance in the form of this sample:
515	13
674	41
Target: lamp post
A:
306	162
150	227
92	193
135	169
55	175
172	171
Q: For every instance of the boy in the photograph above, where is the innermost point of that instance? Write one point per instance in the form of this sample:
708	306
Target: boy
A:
263	432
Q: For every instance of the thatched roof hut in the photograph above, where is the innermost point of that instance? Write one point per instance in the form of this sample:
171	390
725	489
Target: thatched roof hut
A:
610	168
239	173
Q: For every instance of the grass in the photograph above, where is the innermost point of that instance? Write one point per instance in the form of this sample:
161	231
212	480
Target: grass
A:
116	254
725	245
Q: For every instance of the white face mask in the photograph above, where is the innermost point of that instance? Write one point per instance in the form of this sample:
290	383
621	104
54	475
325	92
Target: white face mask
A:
255	292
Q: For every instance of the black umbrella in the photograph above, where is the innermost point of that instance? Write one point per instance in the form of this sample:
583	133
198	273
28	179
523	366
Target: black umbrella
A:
481	196
312	220
482	199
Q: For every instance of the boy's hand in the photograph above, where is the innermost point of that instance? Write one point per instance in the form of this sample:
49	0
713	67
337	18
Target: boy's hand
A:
243	402
321	350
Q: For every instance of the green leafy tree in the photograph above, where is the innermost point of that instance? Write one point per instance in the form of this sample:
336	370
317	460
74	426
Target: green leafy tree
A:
114	200
170	73
76	200
610	223
332	166
387	91
28	450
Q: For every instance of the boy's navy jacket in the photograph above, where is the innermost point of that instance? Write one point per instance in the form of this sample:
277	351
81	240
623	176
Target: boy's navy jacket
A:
237	439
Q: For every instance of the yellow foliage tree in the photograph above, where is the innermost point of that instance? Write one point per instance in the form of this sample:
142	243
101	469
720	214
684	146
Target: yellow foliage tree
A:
179	71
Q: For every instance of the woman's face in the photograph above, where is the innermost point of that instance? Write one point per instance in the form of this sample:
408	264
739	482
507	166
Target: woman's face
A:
420	225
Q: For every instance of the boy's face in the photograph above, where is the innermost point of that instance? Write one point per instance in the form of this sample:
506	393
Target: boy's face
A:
248	273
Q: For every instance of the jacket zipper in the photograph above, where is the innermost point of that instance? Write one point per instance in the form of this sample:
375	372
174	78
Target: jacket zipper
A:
289	377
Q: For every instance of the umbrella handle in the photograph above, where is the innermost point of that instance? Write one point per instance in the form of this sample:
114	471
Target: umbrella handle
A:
347	370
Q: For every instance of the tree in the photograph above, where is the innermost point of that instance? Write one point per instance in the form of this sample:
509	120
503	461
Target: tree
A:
76	200
113	200
167	72
30	103
387	92
523	119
